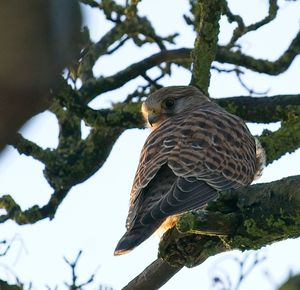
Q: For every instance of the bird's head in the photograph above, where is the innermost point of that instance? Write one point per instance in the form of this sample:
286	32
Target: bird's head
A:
169	101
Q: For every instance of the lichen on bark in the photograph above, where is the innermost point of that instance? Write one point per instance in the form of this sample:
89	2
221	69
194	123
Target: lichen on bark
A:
205	47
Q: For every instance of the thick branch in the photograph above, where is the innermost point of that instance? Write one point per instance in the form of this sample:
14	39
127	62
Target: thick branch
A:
251	109
82	160
261	109
254	216
206	42
76	159
286	139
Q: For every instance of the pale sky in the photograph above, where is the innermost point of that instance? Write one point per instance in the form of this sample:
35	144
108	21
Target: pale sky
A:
92	217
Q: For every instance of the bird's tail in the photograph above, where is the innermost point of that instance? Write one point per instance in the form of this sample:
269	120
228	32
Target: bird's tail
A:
132	238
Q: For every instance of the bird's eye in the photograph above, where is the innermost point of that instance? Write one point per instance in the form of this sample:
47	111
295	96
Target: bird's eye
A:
169	103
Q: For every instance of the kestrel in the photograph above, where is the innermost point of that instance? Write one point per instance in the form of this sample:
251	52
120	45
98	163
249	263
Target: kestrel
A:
195	149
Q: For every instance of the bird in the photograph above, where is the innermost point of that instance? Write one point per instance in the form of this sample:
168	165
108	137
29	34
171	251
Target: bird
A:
195	150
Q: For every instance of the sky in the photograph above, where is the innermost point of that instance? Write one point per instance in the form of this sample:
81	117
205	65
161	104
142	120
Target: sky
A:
92	217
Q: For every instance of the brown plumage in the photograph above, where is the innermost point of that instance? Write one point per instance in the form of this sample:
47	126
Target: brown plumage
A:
196	149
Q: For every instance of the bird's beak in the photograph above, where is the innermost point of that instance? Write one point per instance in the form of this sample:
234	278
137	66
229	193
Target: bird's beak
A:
152	118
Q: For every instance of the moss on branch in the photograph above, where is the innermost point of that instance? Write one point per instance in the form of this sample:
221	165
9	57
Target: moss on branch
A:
28	148
33	214
260	214
292	283
284	140
209	13
262	109
5	286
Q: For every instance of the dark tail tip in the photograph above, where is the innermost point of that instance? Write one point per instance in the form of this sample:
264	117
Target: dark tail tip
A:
120	252
125	245
131	240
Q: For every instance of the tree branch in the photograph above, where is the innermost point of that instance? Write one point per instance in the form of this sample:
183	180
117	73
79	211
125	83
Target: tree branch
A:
260	65
260	214
28	148
286	139
131	27
5	286
128	25
93	88
206	42
242	29
91	3
261	109
153	277
293	283
33	214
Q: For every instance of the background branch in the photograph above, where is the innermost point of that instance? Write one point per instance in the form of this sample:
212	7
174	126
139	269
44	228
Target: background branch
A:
92	88
293	283
153	277
242	29
276	67
262	109
208	13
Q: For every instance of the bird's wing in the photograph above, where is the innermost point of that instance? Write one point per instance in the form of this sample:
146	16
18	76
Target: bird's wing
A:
183	195
216	147
154	156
